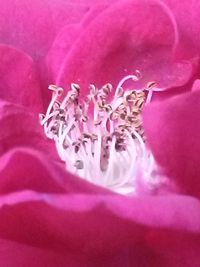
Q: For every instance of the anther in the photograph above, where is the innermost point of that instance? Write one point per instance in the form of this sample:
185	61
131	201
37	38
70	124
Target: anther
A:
107	146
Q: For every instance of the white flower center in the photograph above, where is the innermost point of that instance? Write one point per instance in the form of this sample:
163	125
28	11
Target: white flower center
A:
99	139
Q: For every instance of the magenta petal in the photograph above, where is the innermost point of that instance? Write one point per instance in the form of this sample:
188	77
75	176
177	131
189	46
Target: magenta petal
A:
196	85
172	129
20	128
25	168
65	40
146	228
187	17
14	254
139	41
28	169
61	46
92	2
19	82
33	25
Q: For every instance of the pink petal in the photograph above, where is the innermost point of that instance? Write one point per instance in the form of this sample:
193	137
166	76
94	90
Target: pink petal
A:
196	85
19	81
137	230
61	46
187	17
172	129
48	18
65	40
26	168
20	127
33	25
122	39
14	254
91	2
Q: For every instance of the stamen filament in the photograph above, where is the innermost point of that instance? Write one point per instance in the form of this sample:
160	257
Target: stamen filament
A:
121	83
107	148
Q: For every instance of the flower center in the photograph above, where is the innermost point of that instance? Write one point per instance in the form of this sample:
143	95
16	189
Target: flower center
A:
101	138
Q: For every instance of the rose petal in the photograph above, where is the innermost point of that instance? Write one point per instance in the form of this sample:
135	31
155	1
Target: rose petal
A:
92	3
20	127
26	168
13	254
196	85
74	223
19	81
61	46
48	17
139	41
187	17
65	40
172	130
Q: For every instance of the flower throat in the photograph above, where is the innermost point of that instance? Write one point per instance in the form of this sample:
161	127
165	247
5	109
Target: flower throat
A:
101	138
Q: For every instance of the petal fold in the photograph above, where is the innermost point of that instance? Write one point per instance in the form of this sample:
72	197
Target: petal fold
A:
173	130
19	79
134	228
122	39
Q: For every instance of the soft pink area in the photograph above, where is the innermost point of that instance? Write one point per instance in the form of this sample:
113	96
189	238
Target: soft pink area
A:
33	25
14	254
66	39
140	43
196	85
186	14
73	223
20	128
19	81
173	131
49	217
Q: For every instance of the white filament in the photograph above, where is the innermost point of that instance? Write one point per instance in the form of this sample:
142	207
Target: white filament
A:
121	167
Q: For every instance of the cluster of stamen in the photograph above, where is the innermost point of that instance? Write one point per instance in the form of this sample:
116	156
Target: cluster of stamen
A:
101	140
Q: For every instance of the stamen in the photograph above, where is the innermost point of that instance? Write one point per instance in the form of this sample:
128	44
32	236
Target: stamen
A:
101	141
128	77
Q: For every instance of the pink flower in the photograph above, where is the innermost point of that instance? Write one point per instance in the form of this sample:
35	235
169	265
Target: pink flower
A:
50	217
